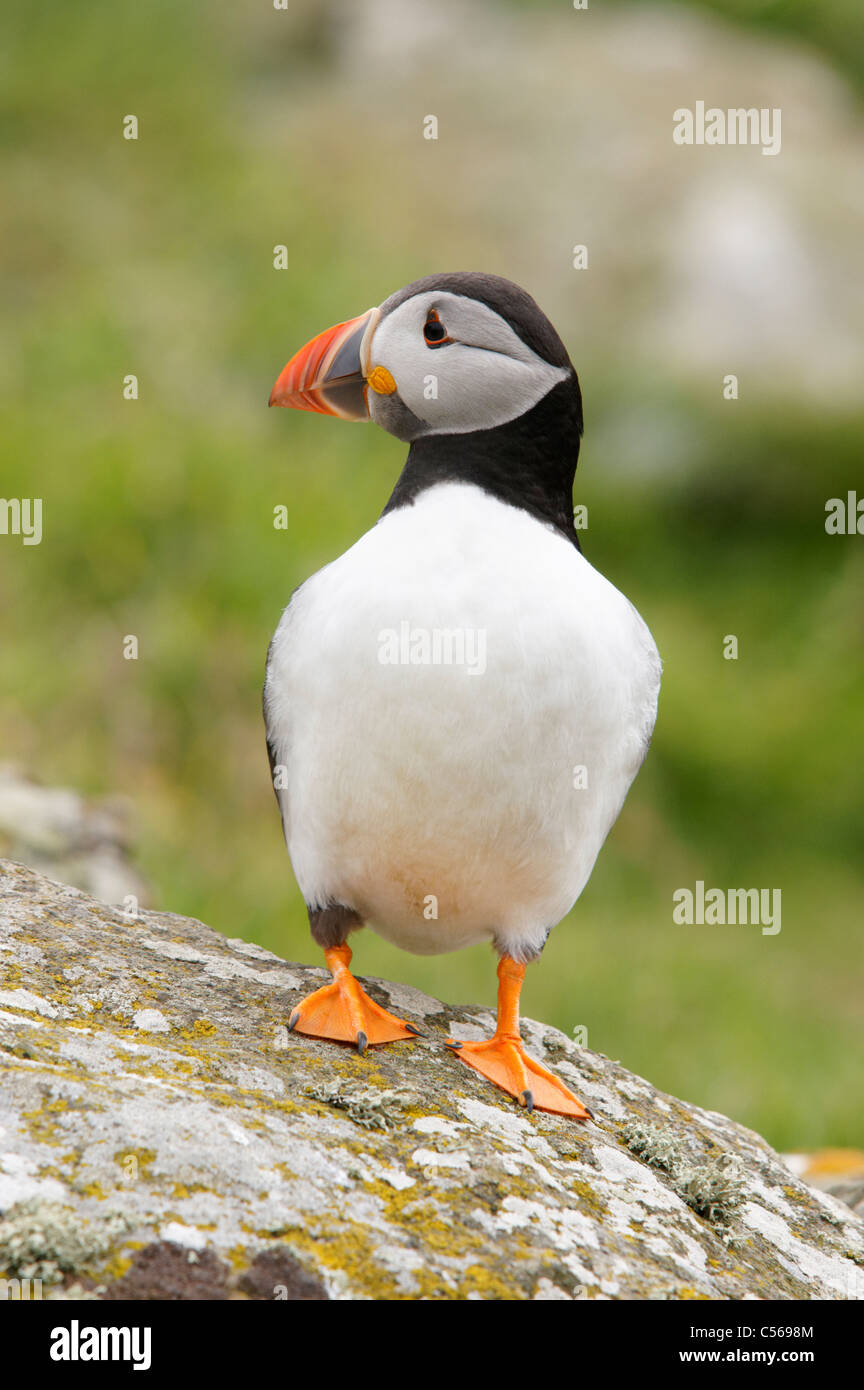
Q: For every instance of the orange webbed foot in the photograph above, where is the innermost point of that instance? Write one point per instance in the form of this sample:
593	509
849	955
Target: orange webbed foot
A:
505	1062
503	1059
343	1012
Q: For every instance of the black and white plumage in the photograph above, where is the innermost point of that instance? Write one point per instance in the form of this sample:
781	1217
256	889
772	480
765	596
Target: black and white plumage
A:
446	803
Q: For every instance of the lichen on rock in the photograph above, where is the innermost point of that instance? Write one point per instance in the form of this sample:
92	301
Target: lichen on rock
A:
162	1135
44	1240
713	1188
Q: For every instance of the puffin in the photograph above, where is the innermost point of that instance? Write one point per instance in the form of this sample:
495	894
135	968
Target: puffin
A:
456	707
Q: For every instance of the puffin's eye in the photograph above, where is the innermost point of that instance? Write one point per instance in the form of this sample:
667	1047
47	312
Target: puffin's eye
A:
434	331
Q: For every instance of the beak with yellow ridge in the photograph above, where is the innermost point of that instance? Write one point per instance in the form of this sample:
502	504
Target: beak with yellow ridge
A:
330	374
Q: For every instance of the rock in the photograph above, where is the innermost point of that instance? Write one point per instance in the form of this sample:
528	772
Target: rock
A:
54	830
163	1136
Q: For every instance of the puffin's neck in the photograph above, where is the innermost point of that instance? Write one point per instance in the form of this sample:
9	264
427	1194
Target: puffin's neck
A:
530	462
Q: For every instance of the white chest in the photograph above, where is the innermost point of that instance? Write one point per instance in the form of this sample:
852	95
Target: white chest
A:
460	703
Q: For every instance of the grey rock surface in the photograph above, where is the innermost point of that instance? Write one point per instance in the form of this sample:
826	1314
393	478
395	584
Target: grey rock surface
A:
163	1136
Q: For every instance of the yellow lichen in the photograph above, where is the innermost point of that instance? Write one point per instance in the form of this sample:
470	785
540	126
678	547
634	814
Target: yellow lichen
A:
116	1267
143	1158
94	1189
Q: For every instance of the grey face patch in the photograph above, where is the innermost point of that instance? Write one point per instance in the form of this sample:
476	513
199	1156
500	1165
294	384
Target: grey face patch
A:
393	415
481	376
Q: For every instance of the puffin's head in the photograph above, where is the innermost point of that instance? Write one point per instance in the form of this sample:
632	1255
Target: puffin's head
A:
449	354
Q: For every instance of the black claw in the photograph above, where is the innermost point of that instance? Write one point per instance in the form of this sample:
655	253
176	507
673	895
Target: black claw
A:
591	1113
362	1043
409	1027
453	1046
528	1101
292	1022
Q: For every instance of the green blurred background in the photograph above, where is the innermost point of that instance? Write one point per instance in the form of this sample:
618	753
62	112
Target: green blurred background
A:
304	128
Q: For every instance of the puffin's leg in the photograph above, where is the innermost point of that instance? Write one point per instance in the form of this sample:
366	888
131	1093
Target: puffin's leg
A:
342	1011
503	1059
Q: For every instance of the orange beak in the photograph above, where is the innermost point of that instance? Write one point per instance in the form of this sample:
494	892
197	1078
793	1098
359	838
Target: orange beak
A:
328	375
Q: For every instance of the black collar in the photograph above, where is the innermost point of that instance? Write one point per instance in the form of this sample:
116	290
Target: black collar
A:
530	462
